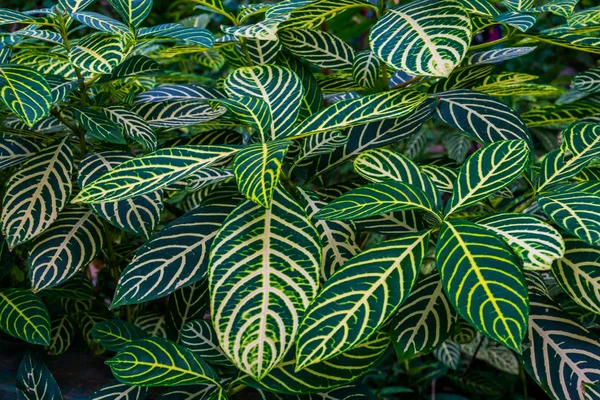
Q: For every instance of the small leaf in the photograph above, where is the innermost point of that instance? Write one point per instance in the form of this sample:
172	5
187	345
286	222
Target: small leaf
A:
24	316
35	381
25	92
113	334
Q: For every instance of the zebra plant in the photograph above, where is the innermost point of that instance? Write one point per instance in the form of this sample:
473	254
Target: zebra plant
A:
302	199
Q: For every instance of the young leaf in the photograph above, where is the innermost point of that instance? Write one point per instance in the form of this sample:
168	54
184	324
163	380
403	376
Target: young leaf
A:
424	321
483	281
24	316
35	381
186	304
272	280
37	193
488	170
150	173
359	298
257	169
428	37
160	266
159	362
133	12
115	390
25	92
62	332
312	14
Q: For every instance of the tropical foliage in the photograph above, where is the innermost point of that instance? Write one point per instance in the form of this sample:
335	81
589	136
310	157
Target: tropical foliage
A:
319	199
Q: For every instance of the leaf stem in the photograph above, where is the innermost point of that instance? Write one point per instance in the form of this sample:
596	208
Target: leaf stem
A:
245	51
490	44
408	82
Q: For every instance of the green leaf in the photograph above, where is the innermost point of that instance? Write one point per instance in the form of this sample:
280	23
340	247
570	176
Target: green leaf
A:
371	108
554	114
566	37
176	114
115	390
153	323
25	92
102	23
133	12
113	334
257	169
262	30
480	7
74	5
186	304
562	8
487	171
359	298
588	81
379	165
71	243
36	193
497	55
215	6
98	53
518	5
279	87
14	150
335	372
178	92
134	66
62	333
253	111
313	98
320	48
448	353
159	362
512	19
161	266
375	134
35	381
311	15
272	280
60	87
424	321
480	116
575	211
200	337
584	18
375	199
462	78
24	316
483	281
365	69
138	215
537	243
337	237
98	125
150	173
563	356
577	273
428	37
134	126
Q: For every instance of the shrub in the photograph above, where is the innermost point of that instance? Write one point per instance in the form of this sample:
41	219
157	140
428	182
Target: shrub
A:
327	198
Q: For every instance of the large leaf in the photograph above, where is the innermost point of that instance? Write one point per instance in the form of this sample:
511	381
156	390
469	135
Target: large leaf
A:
347	113
35	381
429	37
337	371
375	199
312	99
71	243
480	116
424	321
159	362
365	69
537	244
279	87
483	281
132	11
575	211
24	316
25	92
139	215
150	173
578	274
102	23
360	297
264	271
320	48
562	356
175	257
337	237
253	111
36	193
257	170
98	53
113	334
487	171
